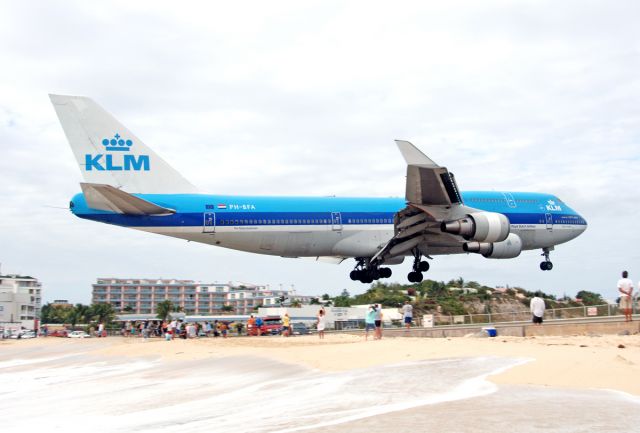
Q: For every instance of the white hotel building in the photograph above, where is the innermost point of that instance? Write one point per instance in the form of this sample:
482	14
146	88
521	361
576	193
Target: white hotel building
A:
140	296
20	300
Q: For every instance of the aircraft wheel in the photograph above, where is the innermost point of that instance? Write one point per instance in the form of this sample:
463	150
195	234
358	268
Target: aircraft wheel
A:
423	266
354	275
418	277
546	266
385	272
410	277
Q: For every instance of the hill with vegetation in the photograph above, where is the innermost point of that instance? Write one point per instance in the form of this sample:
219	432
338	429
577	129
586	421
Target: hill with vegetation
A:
460	297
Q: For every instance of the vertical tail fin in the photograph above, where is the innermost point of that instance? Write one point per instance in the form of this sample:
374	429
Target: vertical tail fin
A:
108	153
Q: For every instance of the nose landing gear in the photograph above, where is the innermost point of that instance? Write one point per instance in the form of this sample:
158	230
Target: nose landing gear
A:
546	265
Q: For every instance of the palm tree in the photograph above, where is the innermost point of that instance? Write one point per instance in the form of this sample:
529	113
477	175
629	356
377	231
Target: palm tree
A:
78	313
164	309
102	313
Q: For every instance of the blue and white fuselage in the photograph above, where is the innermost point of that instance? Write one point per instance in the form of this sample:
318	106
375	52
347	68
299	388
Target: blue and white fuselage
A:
328	226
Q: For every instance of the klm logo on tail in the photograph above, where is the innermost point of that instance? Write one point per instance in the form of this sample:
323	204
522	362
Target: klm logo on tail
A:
116	161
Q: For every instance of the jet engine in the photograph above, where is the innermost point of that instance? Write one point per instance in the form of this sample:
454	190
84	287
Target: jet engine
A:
507	249
480	226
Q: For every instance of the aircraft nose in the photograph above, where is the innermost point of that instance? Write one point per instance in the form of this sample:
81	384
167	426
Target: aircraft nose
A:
583	226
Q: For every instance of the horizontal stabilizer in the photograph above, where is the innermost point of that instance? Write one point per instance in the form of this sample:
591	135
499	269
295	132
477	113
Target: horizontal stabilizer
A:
106	197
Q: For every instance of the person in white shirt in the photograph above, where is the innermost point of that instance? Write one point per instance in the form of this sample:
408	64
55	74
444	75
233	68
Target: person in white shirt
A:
537	309
407	314
625	287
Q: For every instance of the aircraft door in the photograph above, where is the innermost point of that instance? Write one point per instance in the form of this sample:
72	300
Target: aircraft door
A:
549	221
209	223
336	221
511	202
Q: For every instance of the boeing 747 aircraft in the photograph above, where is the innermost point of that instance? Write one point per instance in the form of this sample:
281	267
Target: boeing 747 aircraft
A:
128	185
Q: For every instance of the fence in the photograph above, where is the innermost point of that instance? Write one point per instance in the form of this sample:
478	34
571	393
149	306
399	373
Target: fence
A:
525	315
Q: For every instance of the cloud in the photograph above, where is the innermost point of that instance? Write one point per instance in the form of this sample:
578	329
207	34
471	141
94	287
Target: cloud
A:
306	99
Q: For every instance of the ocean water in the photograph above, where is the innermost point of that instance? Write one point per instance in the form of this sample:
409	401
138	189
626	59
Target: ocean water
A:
62	392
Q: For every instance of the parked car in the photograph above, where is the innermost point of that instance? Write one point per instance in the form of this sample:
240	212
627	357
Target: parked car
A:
24	334
78	334
58	333
299	328
271	325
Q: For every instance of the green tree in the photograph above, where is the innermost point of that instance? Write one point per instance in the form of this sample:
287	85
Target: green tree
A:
590	298
102	313
296	304
342	301
314	301
54	313
79	313
164	309
227	308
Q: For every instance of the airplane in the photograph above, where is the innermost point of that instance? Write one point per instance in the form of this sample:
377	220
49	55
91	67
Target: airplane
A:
127	184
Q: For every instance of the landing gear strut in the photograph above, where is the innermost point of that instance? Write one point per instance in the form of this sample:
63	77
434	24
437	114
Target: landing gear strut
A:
366	273
419	266
546	265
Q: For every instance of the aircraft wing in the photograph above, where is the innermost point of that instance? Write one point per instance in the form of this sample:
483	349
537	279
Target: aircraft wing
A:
106	197
432	197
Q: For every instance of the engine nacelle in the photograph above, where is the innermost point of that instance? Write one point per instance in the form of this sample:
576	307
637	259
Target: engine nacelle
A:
507	249
487	227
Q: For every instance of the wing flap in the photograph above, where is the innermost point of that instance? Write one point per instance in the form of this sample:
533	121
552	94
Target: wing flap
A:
107	198
427	182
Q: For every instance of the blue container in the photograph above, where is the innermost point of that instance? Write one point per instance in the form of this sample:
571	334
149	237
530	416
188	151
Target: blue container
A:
492	332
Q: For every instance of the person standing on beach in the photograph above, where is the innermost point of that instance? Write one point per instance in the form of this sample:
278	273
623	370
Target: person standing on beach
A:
286	325
378	322
258	325
251	322
625	287
321	323
537	309
407	314
370	322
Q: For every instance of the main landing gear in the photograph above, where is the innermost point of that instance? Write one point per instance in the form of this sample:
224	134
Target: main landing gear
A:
419	266
367	273
546	265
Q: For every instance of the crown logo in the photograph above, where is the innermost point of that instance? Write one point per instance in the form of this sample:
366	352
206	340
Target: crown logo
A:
117	144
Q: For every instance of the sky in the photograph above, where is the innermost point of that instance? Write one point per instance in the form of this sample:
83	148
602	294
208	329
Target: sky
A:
306	98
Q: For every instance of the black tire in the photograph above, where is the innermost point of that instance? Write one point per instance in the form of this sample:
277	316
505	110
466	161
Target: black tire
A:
410	277
549	266
423	266
418	277
385	272
353	275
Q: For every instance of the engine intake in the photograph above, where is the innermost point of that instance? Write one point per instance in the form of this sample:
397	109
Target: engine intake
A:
480	226
507	249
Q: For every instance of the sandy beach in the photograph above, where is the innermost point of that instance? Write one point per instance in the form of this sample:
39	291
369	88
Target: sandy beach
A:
574	361
423	381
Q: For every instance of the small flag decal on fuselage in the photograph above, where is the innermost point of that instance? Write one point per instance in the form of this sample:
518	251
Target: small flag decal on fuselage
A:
222	206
